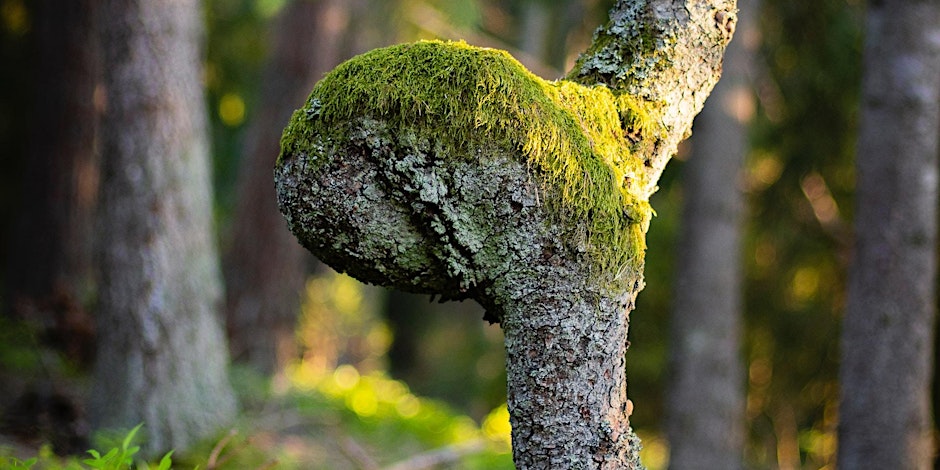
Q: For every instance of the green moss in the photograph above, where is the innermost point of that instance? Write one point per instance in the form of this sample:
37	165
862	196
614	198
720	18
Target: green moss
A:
578	139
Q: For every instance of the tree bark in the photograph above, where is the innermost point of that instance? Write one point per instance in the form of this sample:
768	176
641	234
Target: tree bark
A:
161	351
705	403
566	373
394	203
265	267
887	339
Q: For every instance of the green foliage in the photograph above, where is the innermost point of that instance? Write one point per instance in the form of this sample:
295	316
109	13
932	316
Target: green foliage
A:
393	424
462	13
119	457
17	464
579	140
383	419
18	347
344	418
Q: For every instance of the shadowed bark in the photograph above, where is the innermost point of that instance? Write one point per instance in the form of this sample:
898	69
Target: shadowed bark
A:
379	190
49	276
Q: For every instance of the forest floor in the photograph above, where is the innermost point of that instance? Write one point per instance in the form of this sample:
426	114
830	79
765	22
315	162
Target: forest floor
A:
341	420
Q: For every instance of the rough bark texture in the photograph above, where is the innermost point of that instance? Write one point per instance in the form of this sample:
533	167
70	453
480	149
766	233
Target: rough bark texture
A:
887	339
665	51
705	403
395	202
265	267
50	270
162	354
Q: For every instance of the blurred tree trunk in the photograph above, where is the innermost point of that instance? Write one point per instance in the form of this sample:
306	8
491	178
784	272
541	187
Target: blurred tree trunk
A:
265	267
161	349
50	271
407	316
705	394
887	339
544	28
534	27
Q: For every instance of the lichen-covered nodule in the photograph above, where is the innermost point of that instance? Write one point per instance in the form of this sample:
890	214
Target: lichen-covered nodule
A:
578	141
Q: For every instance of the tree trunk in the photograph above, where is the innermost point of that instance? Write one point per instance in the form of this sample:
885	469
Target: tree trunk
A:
887	339
407	317
705	403
533	29
445	169
544	30
566	373
50	269
265	267
161	352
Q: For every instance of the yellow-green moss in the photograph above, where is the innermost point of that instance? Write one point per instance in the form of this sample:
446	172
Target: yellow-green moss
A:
577	138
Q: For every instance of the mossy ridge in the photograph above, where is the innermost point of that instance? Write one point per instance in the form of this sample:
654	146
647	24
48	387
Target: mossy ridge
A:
578	138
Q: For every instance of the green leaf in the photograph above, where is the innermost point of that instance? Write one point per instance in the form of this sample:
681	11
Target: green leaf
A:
130	436
110	456
165	462
94	463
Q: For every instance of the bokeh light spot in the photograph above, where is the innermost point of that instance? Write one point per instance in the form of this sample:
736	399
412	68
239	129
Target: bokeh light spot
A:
232	109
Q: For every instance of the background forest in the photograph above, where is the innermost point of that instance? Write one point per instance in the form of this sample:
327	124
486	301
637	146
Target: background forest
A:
333	372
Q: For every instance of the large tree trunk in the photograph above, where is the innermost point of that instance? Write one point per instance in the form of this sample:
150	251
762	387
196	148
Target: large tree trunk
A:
445	169
887	339
161	352
705	404
265	267
50	269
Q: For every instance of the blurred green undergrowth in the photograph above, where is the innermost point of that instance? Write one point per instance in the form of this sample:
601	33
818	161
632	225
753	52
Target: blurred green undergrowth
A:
335	420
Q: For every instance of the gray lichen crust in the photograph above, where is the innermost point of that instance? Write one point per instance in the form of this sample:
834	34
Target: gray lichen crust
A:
394	213
664	52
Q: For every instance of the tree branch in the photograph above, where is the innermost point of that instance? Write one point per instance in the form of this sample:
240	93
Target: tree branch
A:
667	52
446	169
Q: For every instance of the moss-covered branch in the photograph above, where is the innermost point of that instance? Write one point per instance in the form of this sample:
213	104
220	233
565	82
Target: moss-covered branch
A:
442	168
664	52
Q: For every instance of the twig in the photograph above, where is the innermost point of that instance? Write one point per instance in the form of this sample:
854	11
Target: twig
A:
441	456
358	454
214	455
271	464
